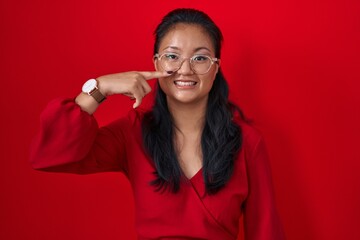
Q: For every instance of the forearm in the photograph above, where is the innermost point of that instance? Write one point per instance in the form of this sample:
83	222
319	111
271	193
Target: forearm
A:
87	103
131	84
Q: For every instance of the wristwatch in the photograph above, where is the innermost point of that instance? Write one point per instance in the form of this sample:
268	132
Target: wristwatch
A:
90	87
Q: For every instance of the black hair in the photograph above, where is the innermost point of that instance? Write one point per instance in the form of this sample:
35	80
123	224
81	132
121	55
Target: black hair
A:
221	138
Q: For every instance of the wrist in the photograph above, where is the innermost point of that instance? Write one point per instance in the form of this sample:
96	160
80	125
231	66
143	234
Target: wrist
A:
103	86
91	88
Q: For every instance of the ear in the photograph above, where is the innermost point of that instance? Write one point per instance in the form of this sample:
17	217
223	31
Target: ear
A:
217	66
155	62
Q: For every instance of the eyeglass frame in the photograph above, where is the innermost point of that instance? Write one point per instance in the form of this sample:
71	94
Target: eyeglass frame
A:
213	60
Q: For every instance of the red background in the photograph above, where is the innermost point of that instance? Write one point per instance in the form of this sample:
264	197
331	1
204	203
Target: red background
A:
293	66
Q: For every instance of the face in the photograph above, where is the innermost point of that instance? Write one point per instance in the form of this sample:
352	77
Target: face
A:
184	85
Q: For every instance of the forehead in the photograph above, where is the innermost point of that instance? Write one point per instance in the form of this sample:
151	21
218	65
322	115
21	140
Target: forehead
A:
187	38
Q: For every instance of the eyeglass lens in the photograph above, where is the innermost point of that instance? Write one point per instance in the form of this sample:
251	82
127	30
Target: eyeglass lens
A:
199	64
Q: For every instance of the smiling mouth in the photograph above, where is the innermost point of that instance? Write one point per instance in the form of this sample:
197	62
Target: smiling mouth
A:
185	83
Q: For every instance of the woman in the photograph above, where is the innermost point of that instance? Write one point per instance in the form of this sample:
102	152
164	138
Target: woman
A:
194	164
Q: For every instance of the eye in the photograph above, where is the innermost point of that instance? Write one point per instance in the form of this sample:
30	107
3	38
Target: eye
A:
171	56
200	58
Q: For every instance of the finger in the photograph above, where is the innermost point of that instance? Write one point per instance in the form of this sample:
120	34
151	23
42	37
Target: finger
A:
130	96
138	94
154	74
137	101
146	87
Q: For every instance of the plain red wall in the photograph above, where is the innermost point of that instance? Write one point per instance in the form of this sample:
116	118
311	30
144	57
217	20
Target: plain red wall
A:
293	66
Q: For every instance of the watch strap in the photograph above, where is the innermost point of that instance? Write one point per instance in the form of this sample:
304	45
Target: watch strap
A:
97	95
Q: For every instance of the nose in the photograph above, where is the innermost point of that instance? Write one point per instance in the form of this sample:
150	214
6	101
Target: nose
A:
185	68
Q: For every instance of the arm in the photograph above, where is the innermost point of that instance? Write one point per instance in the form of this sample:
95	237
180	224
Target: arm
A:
261	221
70	139
131	84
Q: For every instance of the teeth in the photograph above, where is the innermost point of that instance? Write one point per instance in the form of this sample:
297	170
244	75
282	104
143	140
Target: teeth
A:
180	83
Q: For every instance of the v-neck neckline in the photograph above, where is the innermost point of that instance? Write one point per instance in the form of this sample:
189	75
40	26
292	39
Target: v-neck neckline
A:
197	175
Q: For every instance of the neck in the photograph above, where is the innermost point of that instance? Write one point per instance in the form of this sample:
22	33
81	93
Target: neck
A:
188	117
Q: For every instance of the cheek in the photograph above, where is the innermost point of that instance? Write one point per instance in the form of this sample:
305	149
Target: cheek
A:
210	79
213	71
161	83
164	84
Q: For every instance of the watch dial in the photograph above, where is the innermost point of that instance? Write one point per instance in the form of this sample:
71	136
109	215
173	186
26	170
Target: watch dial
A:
89	86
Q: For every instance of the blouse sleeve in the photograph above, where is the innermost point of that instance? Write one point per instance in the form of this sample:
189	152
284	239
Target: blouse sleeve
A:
261	221
69	140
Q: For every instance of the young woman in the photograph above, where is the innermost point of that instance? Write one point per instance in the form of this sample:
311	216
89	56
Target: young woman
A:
194	164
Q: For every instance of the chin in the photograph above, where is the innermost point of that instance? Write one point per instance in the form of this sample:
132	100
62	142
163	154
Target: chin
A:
187	99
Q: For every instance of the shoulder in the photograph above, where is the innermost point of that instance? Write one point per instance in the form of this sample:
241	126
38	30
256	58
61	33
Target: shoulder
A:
253	149
251	135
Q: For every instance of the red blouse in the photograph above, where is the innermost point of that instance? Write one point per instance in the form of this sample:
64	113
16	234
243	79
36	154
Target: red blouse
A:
71	141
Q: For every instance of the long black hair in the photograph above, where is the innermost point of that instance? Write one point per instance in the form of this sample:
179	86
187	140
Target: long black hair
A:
221	138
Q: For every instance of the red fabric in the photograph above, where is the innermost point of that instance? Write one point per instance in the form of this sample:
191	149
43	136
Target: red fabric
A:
71	141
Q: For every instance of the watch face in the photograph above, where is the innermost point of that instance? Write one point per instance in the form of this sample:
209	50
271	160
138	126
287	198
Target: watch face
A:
89	86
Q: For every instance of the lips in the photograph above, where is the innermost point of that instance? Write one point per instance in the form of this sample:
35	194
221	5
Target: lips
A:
185	83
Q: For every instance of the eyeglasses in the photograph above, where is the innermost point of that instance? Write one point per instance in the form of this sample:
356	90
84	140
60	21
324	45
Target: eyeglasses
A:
172	62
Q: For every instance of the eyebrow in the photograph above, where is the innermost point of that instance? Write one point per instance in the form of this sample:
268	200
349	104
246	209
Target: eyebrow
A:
172	47
196	49
201	48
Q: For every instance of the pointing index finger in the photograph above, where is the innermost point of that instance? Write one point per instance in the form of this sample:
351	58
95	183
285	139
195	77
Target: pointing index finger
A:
154	74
